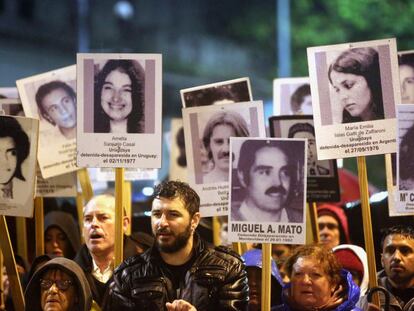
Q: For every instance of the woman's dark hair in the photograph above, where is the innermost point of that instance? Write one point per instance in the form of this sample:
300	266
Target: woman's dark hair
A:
296	100
10	127
362	62
136	73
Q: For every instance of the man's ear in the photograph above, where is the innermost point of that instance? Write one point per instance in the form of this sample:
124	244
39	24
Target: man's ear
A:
241	178
195	220
125	223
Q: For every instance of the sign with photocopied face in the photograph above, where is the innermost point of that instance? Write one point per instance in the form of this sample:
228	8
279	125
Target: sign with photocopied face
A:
18	149
119	111
51	98
322	175
292	96
207	132
354	89
267	190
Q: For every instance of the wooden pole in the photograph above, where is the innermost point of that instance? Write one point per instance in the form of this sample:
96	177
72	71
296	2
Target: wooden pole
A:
266	275
128	204
39	226
2	297
366	220
237	247
85	183
79	209
21	234
313	213
216	231
119	206
10	263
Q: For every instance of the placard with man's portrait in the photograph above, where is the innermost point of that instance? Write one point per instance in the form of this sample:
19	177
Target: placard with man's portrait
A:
207	131
292	96
119	110
18	149
322	175
51	98
267	190
9	95
354	89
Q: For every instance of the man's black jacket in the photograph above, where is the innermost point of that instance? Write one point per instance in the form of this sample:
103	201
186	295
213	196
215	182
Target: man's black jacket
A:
216	281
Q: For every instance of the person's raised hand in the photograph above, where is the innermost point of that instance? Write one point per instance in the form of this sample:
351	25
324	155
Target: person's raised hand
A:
180	305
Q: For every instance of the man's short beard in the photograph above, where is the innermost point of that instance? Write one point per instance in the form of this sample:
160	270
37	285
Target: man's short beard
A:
179	243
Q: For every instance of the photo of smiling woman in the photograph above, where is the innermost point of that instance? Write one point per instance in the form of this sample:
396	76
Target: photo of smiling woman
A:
356	82
14	149
119	97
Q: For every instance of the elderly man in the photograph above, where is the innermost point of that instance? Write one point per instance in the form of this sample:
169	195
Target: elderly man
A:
96	256
397	259
216	139
180	272
268	171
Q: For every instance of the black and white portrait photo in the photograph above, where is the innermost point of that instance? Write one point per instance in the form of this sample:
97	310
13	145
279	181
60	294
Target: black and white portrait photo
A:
18	145
270	185
354	86
120	101
119	97
208	130
406	148
51	98
406	70
292	96
231	91
322	175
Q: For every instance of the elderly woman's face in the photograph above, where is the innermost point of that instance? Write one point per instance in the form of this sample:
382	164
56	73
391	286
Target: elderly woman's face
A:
353	93
116	95
56	297
8	159
407	84
311	287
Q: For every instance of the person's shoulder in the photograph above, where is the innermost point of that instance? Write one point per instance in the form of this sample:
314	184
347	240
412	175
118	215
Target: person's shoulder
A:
132	262
225	254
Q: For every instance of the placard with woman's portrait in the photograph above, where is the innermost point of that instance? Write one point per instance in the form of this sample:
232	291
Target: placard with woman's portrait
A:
292	96
18	150
207	131
51	98
354	89
119	110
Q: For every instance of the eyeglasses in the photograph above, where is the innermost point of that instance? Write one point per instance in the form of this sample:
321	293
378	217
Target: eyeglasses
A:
330	226
60	284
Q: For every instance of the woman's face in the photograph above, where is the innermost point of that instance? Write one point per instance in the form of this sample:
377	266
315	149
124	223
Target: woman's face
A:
310	286
8	159
116	96
407	84
56	242
54	298
353	93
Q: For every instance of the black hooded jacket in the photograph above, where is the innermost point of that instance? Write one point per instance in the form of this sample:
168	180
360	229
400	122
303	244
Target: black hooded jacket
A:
83	292
216	280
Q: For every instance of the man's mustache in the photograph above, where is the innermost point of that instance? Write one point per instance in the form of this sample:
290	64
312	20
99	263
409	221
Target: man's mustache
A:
163	231
278	189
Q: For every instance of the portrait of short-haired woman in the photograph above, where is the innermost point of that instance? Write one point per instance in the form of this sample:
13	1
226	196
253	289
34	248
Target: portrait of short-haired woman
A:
119	97
355	78
14	149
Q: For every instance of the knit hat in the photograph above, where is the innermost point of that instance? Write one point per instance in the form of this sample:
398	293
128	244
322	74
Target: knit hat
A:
340	216
350	261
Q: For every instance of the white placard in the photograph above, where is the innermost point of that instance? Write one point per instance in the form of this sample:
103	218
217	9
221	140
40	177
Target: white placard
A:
18	149
56	187
119	113
292	96
130	174
268	190
404	194
9	95
230	91
207	130
51	98
354	89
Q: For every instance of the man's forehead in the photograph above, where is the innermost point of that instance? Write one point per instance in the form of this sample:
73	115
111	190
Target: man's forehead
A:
270	154
164	203
398	239
100	204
